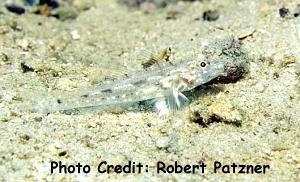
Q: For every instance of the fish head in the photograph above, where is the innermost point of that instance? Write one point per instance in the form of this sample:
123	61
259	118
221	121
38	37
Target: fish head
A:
208	70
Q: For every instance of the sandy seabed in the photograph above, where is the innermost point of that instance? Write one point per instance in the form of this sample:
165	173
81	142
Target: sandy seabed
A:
253	121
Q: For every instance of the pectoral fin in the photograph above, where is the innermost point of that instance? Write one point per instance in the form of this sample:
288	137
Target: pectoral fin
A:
164	106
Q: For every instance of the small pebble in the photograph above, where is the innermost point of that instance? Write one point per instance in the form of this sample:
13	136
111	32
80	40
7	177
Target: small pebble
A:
51	3
297	11
75	35
58	144
148	7
92	124
219	112
26	68
24	138
24	44
62	153
163	142
260	87
211	15
177	123
173	15
287	60
15	9
284	12
3	57
83	5
66	13
38	119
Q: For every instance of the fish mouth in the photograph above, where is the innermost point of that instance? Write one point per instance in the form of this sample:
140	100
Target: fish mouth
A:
213	72
217	70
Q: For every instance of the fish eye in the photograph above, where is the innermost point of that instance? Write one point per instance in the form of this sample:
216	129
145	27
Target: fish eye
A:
203	64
